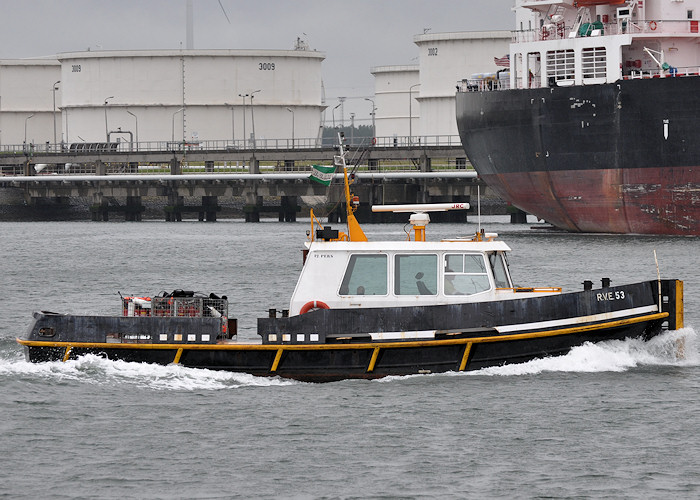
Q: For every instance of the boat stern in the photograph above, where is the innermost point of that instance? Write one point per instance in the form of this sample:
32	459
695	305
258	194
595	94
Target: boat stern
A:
671	300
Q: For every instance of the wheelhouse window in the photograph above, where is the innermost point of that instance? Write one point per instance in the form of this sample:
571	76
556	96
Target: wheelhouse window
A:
365	275
465	274
415	274
500	269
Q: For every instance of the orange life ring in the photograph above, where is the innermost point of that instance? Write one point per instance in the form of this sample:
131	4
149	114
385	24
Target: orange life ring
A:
374	141
652	25
314	304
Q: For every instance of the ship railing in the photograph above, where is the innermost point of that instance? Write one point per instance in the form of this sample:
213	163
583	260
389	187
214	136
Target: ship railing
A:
188	307
534	82
671	72
639	27
482	84
656	27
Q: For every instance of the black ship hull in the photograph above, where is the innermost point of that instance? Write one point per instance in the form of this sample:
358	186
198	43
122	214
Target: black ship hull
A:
465	336
620	158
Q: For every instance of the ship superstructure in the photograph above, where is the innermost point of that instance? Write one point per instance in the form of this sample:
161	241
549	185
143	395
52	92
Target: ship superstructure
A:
592	126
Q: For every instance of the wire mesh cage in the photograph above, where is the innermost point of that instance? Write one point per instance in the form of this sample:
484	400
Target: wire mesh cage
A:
178	303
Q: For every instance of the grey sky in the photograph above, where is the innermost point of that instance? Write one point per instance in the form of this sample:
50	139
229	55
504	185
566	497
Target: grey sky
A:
355	34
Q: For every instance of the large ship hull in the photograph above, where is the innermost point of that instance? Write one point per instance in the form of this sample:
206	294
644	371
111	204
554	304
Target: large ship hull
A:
620	158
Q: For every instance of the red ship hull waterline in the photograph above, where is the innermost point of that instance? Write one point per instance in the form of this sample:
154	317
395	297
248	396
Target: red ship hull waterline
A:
589	129
641	201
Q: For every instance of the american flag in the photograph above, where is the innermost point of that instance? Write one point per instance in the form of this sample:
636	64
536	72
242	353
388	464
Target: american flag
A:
502	61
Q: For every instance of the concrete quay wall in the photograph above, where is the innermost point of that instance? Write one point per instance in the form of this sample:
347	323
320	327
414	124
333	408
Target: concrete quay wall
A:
211	196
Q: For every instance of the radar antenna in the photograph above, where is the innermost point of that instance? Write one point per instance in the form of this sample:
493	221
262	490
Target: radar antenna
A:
419	216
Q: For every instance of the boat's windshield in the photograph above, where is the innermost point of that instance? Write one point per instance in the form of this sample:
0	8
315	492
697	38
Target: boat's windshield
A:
500	272
416	274
465	274
365	275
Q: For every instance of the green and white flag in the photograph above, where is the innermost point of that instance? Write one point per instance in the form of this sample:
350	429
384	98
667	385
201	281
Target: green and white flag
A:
322	174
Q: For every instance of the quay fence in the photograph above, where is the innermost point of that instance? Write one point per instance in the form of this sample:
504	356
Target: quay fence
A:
261	144
358	147
82	169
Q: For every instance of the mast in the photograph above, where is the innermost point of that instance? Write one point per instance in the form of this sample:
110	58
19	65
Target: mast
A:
355	232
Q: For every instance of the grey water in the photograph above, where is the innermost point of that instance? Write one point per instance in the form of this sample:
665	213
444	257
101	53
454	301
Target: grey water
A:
611	420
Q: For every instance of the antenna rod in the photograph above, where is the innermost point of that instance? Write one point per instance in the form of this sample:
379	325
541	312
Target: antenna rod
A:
478	206
354	230
658	277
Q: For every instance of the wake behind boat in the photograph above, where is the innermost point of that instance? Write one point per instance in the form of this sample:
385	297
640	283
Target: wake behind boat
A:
592	127
366	309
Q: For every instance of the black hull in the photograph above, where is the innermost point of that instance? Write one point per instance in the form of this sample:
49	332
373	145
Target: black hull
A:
548	329
336	363
620	157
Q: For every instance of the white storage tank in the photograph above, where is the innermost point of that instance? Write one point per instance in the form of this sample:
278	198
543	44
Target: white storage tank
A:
445	59
191	95
27	101
395	96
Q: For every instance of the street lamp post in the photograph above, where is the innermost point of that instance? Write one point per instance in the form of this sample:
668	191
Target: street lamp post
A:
243	96
107	129
333	113
233	133
137	129
252	115
25	128
54	89
410	112
292	112
175	113
374	112
352	129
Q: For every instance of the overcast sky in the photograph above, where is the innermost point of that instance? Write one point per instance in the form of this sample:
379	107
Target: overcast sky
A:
354	34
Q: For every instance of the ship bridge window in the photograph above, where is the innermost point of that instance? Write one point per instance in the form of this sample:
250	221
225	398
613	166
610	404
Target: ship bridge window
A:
594	63
365	275
415	274
465	274
560	64
500	269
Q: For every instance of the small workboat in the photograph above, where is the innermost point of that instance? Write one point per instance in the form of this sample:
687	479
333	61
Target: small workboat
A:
369	309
